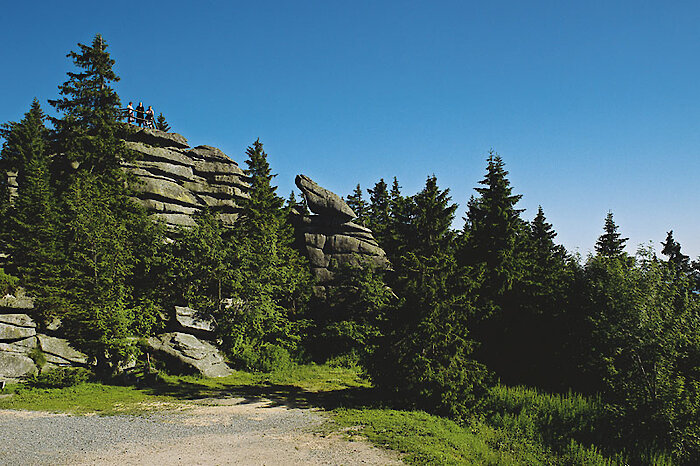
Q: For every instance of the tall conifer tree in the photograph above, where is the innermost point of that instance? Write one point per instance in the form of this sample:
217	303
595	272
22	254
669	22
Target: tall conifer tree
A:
269	275
32	223
358	205
672	249
493	229
88	133
378	211
427	352
610	243
104	228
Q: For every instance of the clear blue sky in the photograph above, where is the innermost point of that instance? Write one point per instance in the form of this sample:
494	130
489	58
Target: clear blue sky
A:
594	106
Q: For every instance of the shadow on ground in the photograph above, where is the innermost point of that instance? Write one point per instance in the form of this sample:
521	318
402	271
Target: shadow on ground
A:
280	395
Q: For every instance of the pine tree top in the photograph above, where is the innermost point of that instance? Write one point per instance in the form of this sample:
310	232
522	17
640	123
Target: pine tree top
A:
89	131
24	140
610	243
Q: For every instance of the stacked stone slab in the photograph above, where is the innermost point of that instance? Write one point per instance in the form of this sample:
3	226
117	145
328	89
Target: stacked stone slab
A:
173	181
19	340
183	348
331	236
186	346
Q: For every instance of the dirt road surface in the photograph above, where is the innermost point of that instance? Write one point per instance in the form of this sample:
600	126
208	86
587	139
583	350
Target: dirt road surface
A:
210	431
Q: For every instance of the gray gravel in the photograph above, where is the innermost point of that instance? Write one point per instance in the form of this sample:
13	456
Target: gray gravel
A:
230	432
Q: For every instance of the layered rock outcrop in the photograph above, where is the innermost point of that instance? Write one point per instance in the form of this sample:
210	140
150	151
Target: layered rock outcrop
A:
183	346
173	181
187	353
329	235
20	340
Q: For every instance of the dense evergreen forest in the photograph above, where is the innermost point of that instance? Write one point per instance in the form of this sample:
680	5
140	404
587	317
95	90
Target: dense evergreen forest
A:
460	314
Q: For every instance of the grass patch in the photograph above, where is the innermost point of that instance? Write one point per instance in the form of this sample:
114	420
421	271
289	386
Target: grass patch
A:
422	438
84	398
303	386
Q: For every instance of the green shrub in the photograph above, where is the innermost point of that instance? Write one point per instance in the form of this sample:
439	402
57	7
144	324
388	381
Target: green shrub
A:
38	356
265	358
8	283
61	377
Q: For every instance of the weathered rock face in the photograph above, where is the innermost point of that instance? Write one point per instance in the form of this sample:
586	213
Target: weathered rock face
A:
19	338
58	352
194	322
173	181
323	202
190	353
331	236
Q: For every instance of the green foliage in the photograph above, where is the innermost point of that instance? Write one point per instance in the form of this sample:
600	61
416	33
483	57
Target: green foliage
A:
348	321
378	212
84	398
425	354
493	248
105	231
358	205
89	132
200	264
265	358
492	232
534	325
32	222
60	377
644	327
423	438
610	243
270	280
39	358
161	123
672	249
8	283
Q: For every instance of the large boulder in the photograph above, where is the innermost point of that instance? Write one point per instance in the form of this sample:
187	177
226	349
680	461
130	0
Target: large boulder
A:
322	201
195	322
16	326
15	365
329	238
14	359
59	352
186	352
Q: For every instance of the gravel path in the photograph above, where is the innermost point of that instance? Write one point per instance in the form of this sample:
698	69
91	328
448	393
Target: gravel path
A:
230	431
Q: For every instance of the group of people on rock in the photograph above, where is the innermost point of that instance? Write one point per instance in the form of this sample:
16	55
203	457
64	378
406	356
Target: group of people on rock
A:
140	117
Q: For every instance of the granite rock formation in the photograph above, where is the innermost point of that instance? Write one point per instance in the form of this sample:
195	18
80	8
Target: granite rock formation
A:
328	235
173	181
187	353
182	349
19	339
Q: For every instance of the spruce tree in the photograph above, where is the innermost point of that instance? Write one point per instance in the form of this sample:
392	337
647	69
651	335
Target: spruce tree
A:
378	211
672	249
89	133
32	225
161	123
493	229
426	355
109	240
432	218
358	205
539	326
493	250
610	243
105	229
271	278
